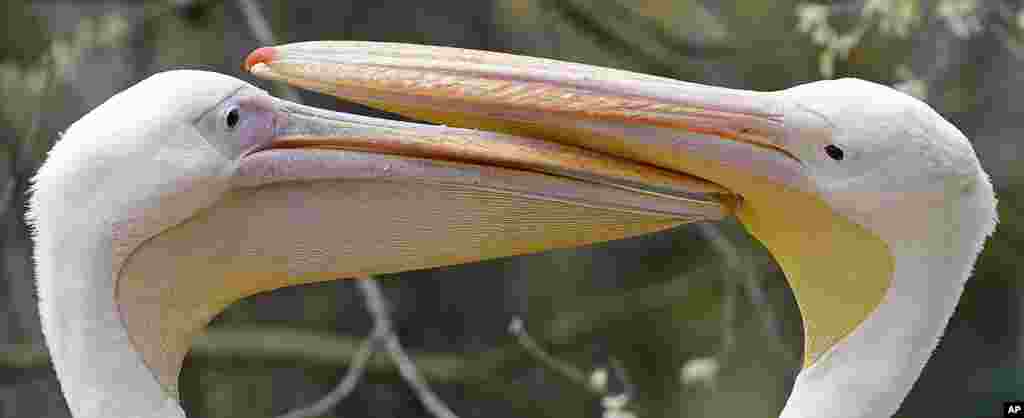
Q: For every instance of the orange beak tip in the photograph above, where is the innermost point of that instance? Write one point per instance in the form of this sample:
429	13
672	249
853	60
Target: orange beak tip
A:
261	55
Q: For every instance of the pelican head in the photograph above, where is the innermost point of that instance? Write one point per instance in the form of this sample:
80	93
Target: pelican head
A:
190	190
874	205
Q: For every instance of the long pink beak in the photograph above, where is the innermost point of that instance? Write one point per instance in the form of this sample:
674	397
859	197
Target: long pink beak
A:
723	136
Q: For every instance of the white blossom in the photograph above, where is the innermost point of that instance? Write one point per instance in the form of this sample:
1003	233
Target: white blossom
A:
701	370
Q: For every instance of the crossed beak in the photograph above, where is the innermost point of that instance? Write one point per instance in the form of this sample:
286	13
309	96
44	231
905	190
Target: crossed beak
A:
648	143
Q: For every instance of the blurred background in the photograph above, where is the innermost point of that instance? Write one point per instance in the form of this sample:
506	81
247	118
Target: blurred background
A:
692	322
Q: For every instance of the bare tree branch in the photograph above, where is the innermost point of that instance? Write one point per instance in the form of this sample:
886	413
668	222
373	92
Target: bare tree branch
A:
260	28
345	387
620	374
258	24
382	326
614	398
734	261
605	33
276	343
566	370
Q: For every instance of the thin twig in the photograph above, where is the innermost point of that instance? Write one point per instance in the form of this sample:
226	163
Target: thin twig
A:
732	262
753	289
593	25
382	333
297	346
566	370
382	326
655	29
343	389
729	307
260	28
258	24
620	373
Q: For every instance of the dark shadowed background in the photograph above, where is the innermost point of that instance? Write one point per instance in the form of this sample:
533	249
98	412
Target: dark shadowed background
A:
693	322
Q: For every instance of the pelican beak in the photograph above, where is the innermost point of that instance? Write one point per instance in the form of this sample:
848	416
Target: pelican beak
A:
731	138
364	147
748	142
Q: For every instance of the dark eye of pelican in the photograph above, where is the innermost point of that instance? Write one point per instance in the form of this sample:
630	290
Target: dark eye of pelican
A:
232	118
834	152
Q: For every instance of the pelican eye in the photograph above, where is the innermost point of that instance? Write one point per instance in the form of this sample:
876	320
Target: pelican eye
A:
232	118
834	152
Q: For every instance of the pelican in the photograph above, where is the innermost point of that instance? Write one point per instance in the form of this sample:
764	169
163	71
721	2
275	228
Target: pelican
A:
191	190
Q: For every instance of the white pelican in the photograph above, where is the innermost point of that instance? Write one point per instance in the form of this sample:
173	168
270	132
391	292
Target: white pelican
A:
191	190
